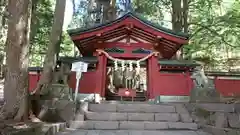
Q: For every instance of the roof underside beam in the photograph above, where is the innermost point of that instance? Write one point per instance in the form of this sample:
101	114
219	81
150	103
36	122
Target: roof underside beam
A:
162	41
124	30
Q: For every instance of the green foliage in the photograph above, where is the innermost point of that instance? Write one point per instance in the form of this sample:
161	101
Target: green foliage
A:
152	9
66	46
213	29
44	19
82	16
3	28
214	32
85	16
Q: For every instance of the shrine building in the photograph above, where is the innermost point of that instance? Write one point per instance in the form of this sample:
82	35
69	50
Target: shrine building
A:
131	57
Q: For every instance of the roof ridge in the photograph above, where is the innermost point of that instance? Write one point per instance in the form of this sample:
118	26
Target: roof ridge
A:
136	16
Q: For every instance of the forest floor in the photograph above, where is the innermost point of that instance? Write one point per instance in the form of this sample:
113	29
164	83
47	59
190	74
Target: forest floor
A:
9	127
12	127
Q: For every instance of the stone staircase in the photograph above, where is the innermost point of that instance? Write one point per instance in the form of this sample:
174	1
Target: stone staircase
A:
134	118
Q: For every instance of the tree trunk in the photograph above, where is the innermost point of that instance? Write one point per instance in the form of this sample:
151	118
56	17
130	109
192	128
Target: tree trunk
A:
177	21
98	15
113	10
185	20
34	27
106	7
3	35
185	16
50	59
34	21
91	11
17	53
177	15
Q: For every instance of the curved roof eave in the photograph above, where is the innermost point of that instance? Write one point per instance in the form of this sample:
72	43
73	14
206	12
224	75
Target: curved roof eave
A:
140	18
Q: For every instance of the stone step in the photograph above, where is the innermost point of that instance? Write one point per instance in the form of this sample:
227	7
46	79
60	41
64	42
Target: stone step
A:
132	132
132	125
138	108
117	116
51	128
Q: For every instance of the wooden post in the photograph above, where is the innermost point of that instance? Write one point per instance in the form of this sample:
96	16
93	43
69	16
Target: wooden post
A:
153	71
101	75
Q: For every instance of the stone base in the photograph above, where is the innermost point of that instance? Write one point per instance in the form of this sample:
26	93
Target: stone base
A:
132	125
220	131
57	111
133	132
204	95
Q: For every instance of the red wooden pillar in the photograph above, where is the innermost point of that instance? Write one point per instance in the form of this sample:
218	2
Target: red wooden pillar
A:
101	75
149	78
153	71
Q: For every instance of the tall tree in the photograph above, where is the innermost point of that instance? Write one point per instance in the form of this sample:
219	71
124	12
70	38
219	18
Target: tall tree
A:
177	15
3	18
185	16
50	59
42	20
109	10
3	34
17	51
213	26
177	21
34	21
3	5
113	10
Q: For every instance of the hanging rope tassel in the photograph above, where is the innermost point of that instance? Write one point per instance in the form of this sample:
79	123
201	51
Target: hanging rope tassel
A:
123	65
138	68
131	66
115	65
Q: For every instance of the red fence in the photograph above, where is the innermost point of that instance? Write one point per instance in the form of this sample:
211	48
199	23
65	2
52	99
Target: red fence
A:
33	80
177	84
173	84
87	83
168	84
227	87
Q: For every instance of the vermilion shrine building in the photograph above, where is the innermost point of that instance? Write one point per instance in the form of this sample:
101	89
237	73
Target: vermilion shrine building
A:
131	38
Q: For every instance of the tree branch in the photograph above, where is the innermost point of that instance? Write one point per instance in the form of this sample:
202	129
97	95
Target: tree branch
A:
213	32
74	6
